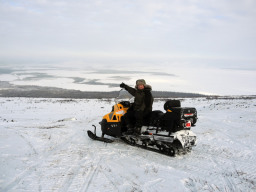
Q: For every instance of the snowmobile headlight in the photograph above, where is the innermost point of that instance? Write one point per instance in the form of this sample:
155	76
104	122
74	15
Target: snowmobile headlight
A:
121	112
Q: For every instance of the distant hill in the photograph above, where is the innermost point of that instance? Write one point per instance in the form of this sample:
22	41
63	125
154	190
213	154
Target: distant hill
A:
9	90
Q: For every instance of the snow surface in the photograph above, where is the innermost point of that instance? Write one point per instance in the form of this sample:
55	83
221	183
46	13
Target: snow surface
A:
44	147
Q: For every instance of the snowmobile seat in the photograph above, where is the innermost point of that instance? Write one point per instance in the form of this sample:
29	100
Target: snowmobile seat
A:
169	121
171	103
153	119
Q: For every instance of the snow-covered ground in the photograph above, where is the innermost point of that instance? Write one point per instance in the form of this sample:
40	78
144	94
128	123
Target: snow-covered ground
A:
44	147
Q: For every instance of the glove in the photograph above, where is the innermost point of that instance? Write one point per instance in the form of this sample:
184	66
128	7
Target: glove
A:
122	85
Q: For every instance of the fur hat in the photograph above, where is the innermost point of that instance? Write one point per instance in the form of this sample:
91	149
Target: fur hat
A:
140	82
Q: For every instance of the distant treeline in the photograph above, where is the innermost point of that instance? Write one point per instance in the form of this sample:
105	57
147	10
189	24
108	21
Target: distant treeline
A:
7	90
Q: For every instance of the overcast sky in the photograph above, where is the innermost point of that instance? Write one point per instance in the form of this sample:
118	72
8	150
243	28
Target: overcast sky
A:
206	32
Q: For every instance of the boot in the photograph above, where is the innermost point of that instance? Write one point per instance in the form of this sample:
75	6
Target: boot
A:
129	126
130	129
137	131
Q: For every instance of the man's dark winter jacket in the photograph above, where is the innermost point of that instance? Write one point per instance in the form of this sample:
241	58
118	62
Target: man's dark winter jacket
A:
143	99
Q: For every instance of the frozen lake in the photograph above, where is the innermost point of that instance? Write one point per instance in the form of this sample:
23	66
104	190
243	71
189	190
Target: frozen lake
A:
162	77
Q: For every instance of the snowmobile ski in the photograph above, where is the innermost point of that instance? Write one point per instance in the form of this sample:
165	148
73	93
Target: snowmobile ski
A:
95	137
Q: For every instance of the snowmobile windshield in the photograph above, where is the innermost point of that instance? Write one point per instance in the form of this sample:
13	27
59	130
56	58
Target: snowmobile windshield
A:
124	96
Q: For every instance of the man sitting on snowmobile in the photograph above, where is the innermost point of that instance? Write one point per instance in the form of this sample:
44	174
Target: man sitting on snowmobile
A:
142	106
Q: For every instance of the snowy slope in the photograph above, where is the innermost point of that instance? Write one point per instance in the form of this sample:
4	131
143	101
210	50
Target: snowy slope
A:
44	147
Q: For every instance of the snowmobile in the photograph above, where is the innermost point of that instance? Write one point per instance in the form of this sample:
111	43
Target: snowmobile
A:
165	132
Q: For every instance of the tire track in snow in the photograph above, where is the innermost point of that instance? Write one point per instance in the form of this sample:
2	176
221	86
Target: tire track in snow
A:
222	167
234	161
98	168
113	171
38	161
228	181
84	164
72	173
90	177
78	167
24	173
27	142
101	167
